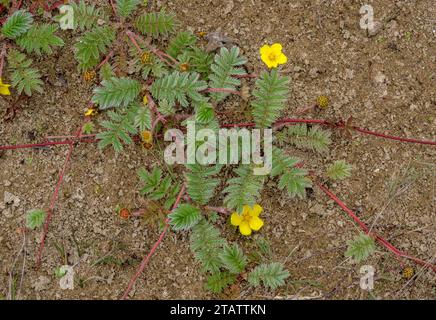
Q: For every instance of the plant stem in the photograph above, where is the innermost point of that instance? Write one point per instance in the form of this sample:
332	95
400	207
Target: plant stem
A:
113	7
160	54
218	209
365	228
106	59
338	125
55	197
153	249
2	59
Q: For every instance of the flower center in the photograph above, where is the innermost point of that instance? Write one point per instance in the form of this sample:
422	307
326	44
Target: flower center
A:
246	216
272	56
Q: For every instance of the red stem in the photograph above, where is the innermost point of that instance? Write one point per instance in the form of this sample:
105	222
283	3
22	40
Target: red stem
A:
381	135
160	54
56	5
113	7
365	228
110	54
153	249
336	125
54	199
284	121
131	36
2	59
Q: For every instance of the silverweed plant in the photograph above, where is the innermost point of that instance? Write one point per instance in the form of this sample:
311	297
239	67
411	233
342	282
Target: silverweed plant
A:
24	37
153	77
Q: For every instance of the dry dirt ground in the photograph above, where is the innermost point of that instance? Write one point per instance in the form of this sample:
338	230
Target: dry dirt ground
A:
385	82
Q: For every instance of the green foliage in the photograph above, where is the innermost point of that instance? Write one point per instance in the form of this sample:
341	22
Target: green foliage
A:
157	187
201	183
243	189
204	112
59	272
88	14
281	162
197	59
126	7
116	92
217	282
119	128
339	170
227	64
294	179
156	24
91	45
35	218
150	66
121	124
23	77
314	139
165	108
206	243
270	96
272	275
88	128
106	72
264	247
184	217
40	39
177	87
17	24
180	43
233	259
157	69
360	248
143	119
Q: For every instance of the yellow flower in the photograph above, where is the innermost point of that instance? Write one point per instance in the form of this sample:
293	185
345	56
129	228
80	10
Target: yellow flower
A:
184	67
90	112
322	102
272	56
408	273
145	100
89	75
4	88
248	220
146	58
147	137
202	34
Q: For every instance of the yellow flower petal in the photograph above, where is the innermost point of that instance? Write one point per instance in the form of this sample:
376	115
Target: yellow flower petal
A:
246	210
273	64
4	90
265	50
265	60
255	212
282	59
276	48
244	228
255	223
268	62
235	219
